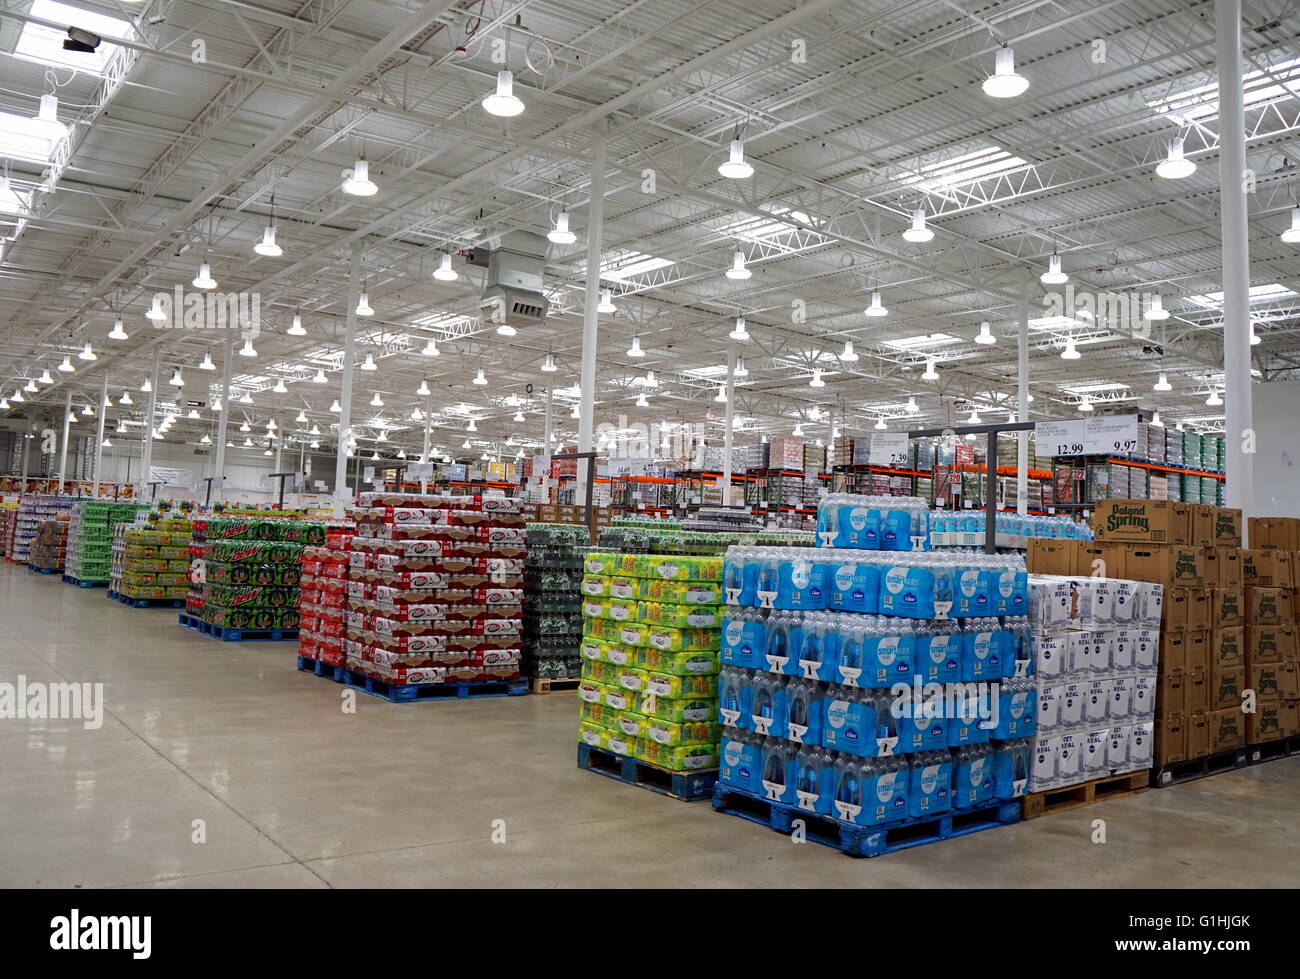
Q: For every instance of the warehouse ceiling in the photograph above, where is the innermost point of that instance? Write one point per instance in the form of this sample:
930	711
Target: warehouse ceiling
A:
195	124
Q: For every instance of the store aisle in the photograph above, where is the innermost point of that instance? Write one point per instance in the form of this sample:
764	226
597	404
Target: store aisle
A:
229	742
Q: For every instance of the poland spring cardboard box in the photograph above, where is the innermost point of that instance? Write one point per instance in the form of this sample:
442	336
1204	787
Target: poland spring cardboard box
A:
1146	521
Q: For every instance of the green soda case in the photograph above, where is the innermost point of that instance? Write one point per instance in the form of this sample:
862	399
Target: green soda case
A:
599	671
592	734
678	758
681	592
677	709
622	609
596	585
677	686
677	567
618	698
597	608
679	616
600	650
620	744
630	724
633	633
606	629
622	587
590	691
678	663
667	638
599	562
671	733
598	714
631	678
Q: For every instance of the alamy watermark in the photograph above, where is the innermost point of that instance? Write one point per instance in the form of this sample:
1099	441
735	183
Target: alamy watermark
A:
184	309
37	701
1119	311
624	440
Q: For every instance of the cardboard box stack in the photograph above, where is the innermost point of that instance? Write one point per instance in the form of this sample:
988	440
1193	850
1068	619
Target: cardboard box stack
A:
151	558
322	599
34	510
49	546
1095	647
553	599
1272	616
435	588
1211	617
90	537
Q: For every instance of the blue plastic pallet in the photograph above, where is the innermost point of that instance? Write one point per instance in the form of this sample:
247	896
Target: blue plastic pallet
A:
83	582
36	570
228	634
330	672
406	693
145	602
687	786
866	841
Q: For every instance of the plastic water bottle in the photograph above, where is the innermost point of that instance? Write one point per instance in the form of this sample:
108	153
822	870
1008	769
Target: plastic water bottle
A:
778	771
848	790
848	666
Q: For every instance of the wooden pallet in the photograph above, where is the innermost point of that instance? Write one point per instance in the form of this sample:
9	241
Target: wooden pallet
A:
553	684
1037	804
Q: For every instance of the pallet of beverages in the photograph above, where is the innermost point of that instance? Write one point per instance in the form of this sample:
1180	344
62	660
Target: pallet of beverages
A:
90	539
435	591
150	560
553	603
322	607
48	549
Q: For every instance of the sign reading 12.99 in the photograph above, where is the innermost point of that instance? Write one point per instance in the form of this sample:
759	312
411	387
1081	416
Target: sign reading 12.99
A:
1103	435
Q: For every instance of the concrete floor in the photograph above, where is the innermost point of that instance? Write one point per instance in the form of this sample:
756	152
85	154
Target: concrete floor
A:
295	793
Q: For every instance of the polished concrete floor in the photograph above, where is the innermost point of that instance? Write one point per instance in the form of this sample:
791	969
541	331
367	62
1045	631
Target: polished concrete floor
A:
293	792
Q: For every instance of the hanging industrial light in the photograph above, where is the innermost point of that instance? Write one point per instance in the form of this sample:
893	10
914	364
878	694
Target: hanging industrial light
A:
741	370
247	349
1004	83
734	166
721	396
125	399
848	355
177	379
357	181
155	311
561	234
876	308
1156	310
816	381
430	348
503	101
635	349
986	336
280	387
918	232
320	377
369	363
738	270
87	353
931	373
1175	166
1292	234
267	245
118	332
207	364
423	389
363	305
1053	276
1070	352
203	278
606	304
480	378
296	328
1162	384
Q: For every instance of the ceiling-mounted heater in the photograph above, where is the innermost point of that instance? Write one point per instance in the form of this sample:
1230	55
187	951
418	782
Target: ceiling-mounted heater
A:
516	264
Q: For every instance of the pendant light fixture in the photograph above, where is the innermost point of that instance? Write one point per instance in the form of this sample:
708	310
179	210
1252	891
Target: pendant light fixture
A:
974	418
125	399
480	378
65	366
45	377
506	330
1156	419
30	387
369	363
444	272
1214	400
848	355
1156	310
87	353
246	398
738	270
739	332
178	379
548	363
301	418
267	245
641	401
1175	166
876	308
931	374
216	405
280	387
245	427
650	380
606	304
1085	404
912	406
205	440
1053	276
1162	384
295	327
430	348
376	401
1071	352
575	413
721	396
46	121
247	349
118	332
1255	338
503	102
155	311
146	386
918	232
741	370
635	350
472	426
207	364
320	377
986	336
423	389
1004	83
734	167
798	430
357	182
1292	234
560	234
880	425
363	305
336	407
203	278
817	381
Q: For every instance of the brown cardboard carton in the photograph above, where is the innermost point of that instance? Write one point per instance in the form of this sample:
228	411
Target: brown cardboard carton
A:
1173	611
1265	724
1268	606
1197	656
1173	653
1201	532
1288	680
1105	559
1171	564
1210	564
1267	568
1266	679
1196	690
1171	694
1270	644
1197	725
1227	607
1171	740
1227	525
1290	714
1150	521
1227	647
1227	729
1226	685
1199	601
1229	571
1275	532
1048	556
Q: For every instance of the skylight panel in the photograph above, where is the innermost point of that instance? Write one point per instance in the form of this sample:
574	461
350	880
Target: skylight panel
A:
45	44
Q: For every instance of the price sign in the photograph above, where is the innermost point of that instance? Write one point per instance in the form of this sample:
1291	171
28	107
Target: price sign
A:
420	470
1112	435
368	474
1062	438
889	449
320	485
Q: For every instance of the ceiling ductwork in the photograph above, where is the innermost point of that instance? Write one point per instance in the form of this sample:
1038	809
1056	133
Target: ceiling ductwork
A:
516	264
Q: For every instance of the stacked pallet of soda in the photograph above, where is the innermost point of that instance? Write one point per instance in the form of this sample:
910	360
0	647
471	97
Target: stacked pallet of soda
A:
322	605
49	546
650	665
34	510
150	562
435	596
196	596
90	539
553	603
251	573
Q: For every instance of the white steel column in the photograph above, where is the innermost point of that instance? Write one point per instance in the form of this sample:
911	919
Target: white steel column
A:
1238	409
595	219
341	495
223	419
545	474
726	435
146	451
1022	397
279	447
67	428
27	437
428	435
99	433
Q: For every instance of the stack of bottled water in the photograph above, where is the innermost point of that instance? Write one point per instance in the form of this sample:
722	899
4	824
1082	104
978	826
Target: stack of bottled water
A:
875	688
873	523
965	528
1095	645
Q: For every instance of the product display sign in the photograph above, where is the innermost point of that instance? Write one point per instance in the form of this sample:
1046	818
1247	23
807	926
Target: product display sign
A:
419	470
1061	438
368	474
1103	435
889	449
